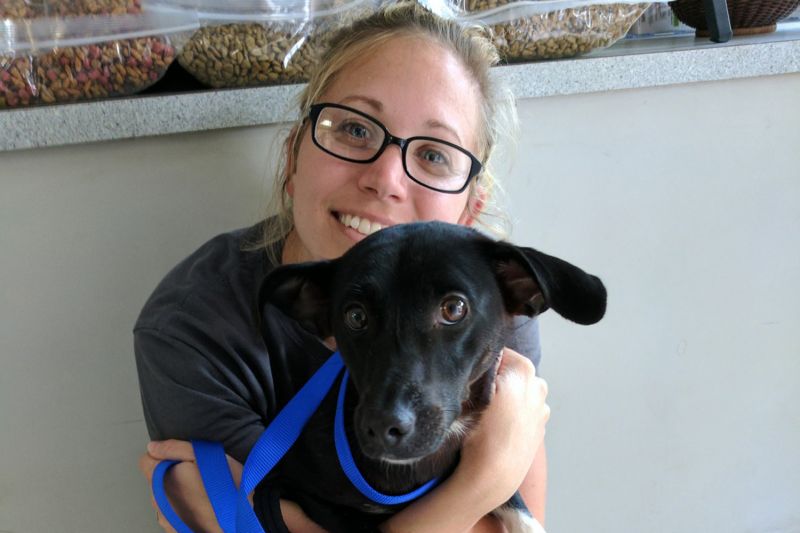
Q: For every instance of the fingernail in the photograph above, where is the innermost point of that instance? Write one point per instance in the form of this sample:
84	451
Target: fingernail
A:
151	447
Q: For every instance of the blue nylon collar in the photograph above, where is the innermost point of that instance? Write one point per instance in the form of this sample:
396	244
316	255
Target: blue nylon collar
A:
349	466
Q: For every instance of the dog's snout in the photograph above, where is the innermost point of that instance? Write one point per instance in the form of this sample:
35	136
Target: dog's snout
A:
389	429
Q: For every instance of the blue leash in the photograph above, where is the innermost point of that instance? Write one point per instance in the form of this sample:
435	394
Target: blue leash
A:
218	482
231	507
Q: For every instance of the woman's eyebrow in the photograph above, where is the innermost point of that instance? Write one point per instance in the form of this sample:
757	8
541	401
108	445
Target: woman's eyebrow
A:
378	106
436	124
375	104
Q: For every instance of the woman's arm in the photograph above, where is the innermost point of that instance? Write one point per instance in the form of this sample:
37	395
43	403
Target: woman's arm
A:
524	339
188	497
534	487
496	458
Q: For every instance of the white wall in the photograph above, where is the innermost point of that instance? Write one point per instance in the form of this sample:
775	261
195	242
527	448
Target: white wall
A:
681	410
678	412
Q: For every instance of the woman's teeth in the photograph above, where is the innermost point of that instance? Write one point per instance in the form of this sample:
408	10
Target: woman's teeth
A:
361	225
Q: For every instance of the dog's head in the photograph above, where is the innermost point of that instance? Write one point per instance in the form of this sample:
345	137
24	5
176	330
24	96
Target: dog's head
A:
419	313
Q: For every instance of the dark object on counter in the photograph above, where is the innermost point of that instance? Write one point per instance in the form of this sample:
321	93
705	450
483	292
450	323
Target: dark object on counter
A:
718	20
747	17
175	80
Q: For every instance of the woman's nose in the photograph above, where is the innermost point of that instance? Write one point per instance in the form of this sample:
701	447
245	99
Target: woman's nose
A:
385	177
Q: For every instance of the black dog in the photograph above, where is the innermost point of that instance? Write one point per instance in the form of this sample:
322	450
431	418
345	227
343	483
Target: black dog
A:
419	313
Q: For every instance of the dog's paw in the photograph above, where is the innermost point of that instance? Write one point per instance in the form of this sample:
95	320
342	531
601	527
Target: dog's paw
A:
517	520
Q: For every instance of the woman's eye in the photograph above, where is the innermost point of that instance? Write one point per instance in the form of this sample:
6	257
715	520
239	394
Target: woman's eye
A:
355	130
434	157
355	317
453	309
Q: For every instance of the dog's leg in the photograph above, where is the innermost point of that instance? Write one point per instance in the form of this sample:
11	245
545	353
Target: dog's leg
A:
516	517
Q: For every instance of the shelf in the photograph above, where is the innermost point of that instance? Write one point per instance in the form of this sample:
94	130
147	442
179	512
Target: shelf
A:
629	64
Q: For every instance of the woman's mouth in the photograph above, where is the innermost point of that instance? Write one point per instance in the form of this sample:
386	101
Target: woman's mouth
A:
362	225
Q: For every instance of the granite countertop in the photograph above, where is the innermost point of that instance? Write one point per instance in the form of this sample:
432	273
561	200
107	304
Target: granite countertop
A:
629	64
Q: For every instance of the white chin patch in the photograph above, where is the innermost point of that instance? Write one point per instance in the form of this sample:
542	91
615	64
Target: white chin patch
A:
407	462
361	225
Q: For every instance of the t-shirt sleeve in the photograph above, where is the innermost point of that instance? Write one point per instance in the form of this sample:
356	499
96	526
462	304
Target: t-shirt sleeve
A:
524	338
187	394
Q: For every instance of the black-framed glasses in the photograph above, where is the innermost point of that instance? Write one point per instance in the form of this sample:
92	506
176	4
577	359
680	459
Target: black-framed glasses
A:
354	136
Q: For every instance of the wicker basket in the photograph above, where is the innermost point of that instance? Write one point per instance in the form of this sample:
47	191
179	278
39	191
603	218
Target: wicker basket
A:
747	16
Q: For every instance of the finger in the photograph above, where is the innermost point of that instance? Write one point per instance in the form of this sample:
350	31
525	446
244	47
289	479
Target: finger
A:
512	360
544	388
515	372
177	450
147	465
164	524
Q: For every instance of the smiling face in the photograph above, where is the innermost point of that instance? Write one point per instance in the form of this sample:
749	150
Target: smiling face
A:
414	87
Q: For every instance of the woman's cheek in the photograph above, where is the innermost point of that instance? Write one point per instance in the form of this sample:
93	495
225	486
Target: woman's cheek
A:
449	208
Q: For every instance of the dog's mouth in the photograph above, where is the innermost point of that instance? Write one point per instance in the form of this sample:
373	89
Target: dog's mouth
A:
360	224
449	439
406	456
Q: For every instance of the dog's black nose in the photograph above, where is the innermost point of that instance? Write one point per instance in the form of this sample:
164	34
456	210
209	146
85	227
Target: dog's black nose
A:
389	429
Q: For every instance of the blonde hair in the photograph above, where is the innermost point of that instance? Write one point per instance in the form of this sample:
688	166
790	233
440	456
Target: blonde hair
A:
471	44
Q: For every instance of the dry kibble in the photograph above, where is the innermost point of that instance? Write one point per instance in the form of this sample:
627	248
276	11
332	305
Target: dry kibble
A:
69	74
114	68
248	54
258	52
562	33
28	9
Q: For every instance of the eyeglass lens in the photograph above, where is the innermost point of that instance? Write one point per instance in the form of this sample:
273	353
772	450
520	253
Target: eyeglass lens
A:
353	136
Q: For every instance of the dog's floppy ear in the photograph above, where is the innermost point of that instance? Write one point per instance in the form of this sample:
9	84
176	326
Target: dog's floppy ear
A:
532	282
301	291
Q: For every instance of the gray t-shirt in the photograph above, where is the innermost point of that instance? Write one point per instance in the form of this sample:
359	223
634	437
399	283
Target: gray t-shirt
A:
206	371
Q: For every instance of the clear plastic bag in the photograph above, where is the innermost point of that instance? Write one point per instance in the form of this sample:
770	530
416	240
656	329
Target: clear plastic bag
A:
260	42
56	51
550	29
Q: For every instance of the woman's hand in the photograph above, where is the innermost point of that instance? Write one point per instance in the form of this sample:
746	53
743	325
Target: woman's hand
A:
188	498
495	458
183	485
499	452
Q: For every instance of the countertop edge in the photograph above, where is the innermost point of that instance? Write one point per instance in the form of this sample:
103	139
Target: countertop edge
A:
141	116
637	71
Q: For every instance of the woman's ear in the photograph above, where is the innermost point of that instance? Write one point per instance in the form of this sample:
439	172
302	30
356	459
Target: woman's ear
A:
474	207
291	146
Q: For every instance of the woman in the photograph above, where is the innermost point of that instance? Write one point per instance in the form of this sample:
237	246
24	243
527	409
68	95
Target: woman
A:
206	373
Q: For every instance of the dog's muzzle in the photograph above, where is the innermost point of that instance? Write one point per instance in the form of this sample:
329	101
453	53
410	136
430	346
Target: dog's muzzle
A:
398	433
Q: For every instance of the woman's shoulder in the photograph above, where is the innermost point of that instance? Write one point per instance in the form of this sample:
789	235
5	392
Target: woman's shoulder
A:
220	278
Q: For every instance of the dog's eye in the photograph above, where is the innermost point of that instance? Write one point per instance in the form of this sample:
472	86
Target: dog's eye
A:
355	317
453	309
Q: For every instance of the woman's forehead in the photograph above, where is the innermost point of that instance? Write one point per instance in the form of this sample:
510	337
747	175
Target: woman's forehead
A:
412	82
